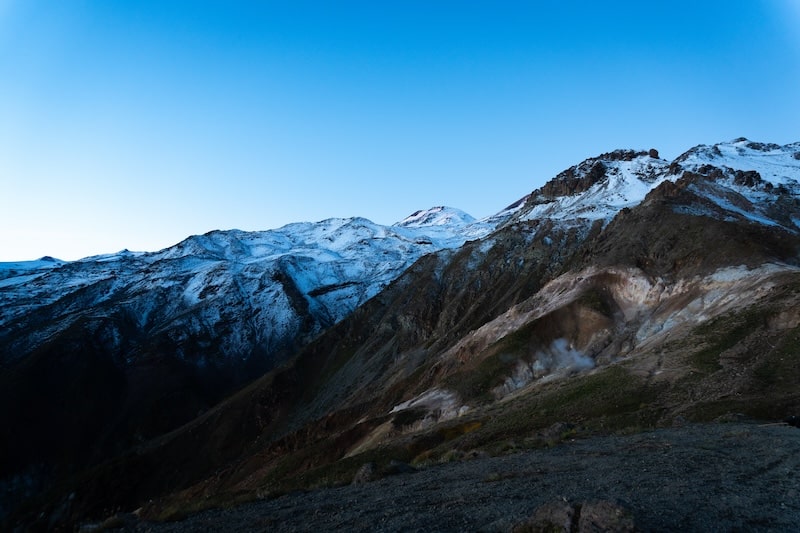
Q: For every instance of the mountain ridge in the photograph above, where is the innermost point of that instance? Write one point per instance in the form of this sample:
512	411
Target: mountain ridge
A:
592	276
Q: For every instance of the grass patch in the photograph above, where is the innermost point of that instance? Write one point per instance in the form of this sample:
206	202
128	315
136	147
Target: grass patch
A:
611	392
722	334
333	474
476	384
755	407
297	471
780	369
609	400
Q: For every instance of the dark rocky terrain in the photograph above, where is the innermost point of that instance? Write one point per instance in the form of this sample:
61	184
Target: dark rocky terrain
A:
710	477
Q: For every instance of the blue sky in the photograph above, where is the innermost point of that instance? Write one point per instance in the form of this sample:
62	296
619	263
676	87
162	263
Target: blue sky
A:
134	124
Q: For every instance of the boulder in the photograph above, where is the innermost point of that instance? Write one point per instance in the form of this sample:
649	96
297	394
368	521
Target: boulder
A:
593	516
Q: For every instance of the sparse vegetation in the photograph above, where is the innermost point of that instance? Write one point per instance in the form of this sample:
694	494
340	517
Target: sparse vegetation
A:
780	369
475	382
608	399
723	333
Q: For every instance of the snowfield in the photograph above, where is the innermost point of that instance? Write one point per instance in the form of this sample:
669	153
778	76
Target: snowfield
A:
265	282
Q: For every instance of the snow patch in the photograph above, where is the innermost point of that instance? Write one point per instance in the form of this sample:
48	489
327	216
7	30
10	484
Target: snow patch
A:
727	205
625	185
243	288
775	164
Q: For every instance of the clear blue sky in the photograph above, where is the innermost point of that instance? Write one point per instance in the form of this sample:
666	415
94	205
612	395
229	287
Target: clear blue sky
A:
133	124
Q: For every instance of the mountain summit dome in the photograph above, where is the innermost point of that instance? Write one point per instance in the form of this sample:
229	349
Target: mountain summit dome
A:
436	216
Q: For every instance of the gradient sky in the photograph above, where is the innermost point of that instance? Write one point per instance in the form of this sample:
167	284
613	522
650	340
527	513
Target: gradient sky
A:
133	124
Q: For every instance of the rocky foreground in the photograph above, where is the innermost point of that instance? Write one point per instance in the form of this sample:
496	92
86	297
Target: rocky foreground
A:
714	477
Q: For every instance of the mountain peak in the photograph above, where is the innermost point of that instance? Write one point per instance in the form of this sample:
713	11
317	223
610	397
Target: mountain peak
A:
775	164
436	216
597	188
581	177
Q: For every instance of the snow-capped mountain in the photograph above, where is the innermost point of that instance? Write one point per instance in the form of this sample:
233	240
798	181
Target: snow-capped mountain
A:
298	279
226	296
745	180
436	216
382	332
598	188
249	291
130	345
776	164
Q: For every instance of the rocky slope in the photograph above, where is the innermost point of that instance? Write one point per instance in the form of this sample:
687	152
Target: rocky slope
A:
628	292
718	477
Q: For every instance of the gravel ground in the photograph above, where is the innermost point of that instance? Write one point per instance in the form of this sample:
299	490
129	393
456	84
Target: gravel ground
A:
719	477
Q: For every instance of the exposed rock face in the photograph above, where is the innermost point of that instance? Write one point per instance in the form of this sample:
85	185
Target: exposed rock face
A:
573	181
593	516
602	515
580	178
555	516
365	474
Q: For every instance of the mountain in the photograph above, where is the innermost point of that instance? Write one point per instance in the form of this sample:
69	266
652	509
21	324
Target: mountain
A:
437	216
292	282
116	349
628	292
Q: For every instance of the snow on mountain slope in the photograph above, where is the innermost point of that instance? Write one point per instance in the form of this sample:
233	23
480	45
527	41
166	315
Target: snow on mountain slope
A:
17	272
261	288
777	165
244	289
747	180
598	188
448	217
742	179
436	216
